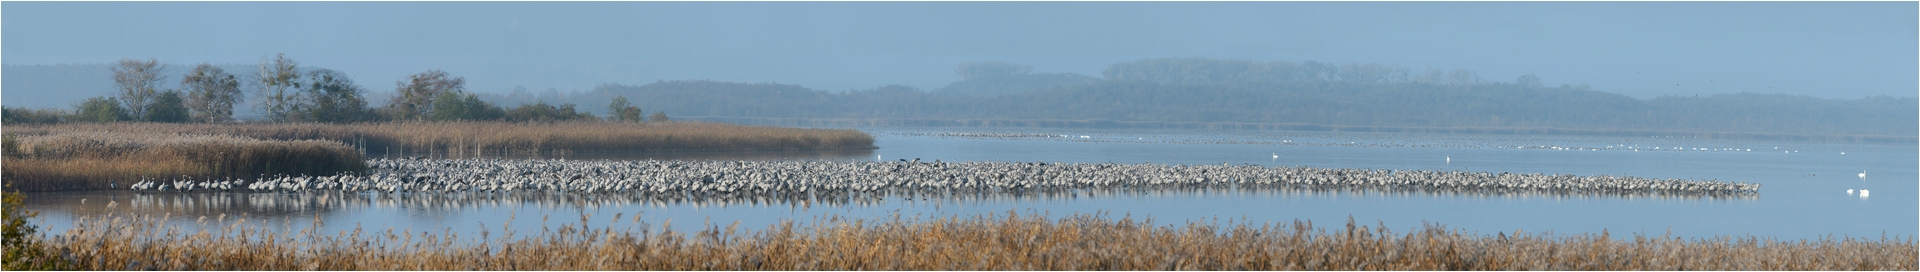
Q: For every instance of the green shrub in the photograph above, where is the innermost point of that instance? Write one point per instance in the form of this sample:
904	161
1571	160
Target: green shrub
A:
101	109
23	251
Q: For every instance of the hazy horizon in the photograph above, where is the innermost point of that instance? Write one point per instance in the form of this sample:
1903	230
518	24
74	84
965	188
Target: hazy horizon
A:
1641	49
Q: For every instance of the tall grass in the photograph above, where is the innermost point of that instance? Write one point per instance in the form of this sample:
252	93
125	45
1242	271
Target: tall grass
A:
491	138
81	156
1011	242
74	160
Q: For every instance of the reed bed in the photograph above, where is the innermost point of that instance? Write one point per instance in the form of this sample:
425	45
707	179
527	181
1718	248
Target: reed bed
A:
72	160
507	138
1010	242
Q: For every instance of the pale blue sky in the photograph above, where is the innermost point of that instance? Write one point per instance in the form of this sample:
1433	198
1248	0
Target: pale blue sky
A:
1642	49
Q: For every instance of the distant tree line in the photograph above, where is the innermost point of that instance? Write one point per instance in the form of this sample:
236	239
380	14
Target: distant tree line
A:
1206	90
1154	90
287	93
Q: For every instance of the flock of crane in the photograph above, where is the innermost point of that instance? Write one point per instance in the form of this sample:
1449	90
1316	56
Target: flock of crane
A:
802	180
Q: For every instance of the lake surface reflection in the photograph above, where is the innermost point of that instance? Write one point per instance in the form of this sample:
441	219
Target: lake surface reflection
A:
1804	194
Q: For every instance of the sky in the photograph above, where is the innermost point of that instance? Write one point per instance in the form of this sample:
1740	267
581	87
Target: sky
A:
1641	49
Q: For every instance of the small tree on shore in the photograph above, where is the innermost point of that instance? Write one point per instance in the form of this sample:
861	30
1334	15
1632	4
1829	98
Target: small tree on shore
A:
100	109
333	98
168	107
621	111
660	116
418	94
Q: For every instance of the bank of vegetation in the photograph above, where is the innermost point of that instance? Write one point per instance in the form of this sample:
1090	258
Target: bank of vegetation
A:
1010	242
94	155
320	122
79	160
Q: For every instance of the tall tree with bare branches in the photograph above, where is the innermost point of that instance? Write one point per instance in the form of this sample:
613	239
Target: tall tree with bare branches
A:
276	84
139	82
211	93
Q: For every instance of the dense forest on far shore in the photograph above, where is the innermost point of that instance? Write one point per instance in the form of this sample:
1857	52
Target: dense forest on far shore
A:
1316	94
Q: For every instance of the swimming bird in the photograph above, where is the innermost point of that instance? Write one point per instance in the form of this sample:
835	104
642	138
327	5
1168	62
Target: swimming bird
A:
1863	173
1849	191
1863	193
1449	159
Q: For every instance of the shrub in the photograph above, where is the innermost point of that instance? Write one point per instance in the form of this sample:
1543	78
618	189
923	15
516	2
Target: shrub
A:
168	107
101	110
23	250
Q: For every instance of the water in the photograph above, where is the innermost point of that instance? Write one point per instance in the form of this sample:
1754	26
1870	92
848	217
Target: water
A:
1804	195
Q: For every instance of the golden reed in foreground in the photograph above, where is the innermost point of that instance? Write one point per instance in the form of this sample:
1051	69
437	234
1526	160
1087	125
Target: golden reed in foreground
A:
87	156
1012	242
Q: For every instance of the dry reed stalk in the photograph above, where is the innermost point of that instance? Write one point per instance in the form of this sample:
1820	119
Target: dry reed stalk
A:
96	160
473	138
1012	242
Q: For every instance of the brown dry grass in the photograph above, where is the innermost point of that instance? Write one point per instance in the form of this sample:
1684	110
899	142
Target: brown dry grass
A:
1012	242
84	156
95	160
493	138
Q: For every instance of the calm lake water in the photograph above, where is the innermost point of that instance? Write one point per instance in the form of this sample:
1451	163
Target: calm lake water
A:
1805	193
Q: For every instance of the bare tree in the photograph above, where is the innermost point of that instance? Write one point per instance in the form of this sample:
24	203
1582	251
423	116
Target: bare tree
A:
276	84
417	92
139	82
211	93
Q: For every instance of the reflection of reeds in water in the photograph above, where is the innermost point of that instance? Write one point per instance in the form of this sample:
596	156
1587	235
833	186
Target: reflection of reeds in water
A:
95	160
1011	242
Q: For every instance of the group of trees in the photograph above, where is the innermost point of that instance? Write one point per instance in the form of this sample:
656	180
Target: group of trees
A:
285	92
